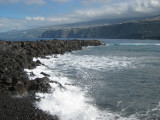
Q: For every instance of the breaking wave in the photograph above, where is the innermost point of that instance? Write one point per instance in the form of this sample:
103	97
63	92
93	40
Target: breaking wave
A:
71	101
137	44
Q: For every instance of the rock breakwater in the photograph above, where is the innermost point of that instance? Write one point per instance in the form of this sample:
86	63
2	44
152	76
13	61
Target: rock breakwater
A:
15	56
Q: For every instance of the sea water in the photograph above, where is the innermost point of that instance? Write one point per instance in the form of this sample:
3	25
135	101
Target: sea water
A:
118	81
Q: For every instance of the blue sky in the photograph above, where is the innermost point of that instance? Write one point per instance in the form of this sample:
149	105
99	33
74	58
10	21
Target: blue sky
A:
25	14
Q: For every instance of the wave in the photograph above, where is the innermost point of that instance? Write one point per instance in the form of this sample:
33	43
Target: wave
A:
135	44
72	103
100	63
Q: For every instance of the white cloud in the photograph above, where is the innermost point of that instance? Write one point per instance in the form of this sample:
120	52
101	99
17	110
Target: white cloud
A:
144	6
115	9
38	18
8	1
28	18
133	8
54	20
61	0
10	24
1	25
37	2
91	2
60	19
7	24
109	9
28	2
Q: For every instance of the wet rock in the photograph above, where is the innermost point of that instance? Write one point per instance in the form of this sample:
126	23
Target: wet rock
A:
8	80
20	108
32	74
55	117
17	55
38	62
20	88
58	83
32	65
46	75
55	56
40	84
44	57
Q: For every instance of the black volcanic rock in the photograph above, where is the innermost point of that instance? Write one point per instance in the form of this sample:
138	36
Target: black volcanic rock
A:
14	58
17	55
46	75
40	84
21	108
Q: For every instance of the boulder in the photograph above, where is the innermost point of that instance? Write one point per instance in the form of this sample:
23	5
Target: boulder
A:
40	84
32	74
20	88
8	80
46	75
59	84
17	55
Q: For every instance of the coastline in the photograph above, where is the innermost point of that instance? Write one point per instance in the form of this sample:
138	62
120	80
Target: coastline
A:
17	56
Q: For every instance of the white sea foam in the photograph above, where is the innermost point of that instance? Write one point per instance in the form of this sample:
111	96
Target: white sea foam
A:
70	61
154	112
140	44
71	103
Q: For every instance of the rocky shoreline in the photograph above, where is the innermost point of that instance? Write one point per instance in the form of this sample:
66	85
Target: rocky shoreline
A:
15	56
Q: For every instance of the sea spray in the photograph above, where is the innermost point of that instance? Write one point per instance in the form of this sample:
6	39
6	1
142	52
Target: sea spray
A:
115	82
71	101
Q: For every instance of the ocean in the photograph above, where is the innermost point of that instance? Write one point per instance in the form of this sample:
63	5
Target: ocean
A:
118	81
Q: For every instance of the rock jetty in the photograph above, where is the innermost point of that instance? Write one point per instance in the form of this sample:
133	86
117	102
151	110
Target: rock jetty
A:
15	56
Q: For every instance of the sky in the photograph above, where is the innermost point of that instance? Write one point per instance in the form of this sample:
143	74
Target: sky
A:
26	14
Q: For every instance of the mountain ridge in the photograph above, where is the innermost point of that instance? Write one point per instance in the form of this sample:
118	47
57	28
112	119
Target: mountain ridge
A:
136	29
67	30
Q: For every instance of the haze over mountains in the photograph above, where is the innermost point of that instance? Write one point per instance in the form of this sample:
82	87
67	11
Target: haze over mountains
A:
129	28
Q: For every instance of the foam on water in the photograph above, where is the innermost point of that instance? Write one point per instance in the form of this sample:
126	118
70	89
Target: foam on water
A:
71	102
137	44
151	114
70	61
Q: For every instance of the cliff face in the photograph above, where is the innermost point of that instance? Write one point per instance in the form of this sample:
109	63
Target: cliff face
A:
146	29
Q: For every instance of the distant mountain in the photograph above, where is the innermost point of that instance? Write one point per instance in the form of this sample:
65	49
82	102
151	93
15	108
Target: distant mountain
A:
136	29
140	28
37	32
